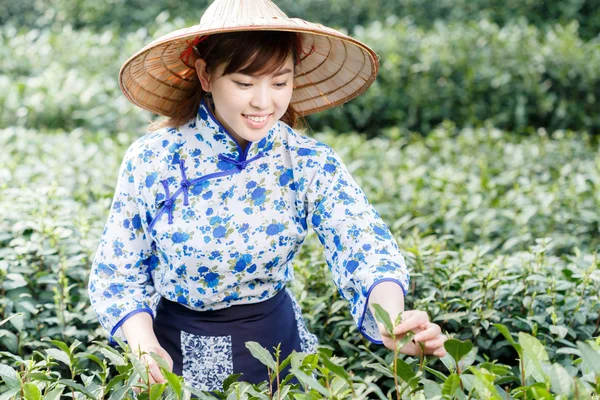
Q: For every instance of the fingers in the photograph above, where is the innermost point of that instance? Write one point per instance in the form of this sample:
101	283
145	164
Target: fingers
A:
436	346
436	343
441	352
430	331
412	321
427	334
154	373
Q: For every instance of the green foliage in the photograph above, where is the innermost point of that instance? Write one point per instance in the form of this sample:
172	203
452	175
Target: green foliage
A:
514	77
122	16
501	231
315	380
496	229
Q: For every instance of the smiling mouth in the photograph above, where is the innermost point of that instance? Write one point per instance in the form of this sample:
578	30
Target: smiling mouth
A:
255	118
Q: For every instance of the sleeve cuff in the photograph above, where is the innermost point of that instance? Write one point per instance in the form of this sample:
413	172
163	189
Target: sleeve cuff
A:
116	332
367	324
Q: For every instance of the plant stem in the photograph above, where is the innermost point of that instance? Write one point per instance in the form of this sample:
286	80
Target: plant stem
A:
585	284
277	355
396	350
522	371
270	383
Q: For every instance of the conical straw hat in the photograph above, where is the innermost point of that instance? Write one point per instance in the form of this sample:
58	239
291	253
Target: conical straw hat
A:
333	69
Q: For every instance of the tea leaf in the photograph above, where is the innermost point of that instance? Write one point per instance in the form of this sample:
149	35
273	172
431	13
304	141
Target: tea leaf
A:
435	373
262	355
382	316
54	394
534	357
451	384
405	372
114	381
113	356
31	392
8	395
230	380
156	390
77	386
590	357
161	362
9	376
120	393
561	381
506	333
431	389
469	359
383	369
458	349
174	382
283	364
282	393
408	336
309	381
38	376
484	385
448	362
94	358
59	355
336	369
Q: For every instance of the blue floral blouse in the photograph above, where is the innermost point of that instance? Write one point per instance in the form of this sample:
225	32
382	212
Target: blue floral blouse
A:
197	220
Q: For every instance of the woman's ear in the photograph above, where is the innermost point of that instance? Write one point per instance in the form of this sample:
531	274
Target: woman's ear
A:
202	74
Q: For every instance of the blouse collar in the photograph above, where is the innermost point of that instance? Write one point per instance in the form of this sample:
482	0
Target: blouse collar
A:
216	137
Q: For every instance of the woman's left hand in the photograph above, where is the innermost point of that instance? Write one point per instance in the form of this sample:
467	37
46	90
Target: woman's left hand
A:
426	332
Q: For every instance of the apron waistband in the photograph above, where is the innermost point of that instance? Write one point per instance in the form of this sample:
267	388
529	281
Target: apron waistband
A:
233	313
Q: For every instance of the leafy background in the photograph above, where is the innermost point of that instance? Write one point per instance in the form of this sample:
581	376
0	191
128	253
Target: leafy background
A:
478	144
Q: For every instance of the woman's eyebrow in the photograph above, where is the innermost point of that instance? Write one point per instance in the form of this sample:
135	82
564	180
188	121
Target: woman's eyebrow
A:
279	73
283	72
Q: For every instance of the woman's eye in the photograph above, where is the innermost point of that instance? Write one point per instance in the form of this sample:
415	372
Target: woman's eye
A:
243	84
281	85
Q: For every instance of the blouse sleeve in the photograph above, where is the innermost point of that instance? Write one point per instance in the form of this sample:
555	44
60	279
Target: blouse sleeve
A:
359	248
120	284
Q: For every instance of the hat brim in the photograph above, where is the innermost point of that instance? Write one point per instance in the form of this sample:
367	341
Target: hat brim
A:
339	68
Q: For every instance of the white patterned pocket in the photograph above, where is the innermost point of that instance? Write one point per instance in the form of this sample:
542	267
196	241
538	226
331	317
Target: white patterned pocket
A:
308	341
207	360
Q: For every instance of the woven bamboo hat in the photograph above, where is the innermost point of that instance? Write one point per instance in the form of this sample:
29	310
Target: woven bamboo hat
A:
333	68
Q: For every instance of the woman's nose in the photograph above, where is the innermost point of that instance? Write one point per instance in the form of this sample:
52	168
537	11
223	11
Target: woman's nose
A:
261	98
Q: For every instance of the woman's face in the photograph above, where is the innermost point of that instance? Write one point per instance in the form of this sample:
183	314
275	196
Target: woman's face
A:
248	106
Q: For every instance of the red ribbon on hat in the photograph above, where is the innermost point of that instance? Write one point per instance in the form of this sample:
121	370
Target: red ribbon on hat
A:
300	50
312	50
187	53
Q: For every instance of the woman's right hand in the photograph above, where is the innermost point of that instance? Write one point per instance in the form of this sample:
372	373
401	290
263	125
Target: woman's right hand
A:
154	373
140	335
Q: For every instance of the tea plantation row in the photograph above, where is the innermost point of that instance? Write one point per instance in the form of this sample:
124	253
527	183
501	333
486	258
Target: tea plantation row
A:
496	228
514	77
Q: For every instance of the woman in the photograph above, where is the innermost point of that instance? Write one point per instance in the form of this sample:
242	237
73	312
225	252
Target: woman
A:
212	206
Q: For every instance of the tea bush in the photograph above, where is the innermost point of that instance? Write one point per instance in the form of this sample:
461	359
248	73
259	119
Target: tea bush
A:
514	77
496	229
123	16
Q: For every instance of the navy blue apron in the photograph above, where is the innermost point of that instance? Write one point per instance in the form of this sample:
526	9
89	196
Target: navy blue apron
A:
208	346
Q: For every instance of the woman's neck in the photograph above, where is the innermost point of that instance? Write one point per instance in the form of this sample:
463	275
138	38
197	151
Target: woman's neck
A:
243	143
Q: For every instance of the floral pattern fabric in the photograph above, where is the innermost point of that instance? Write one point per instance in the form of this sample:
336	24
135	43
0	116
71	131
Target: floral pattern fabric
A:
308	341
198	221
207	360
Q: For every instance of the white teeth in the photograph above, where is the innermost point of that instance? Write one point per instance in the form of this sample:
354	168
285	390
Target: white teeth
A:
257	119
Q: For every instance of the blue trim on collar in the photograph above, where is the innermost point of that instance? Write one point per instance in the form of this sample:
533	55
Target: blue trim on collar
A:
218	123
242	155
